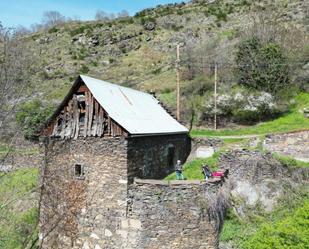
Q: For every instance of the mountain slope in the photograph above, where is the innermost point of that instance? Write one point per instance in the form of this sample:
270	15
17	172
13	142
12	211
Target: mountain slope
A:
140	51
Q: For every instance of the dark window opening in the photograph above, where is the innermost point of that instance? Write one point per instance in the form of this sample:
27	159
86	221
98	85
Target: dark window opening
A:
60	122
79	171
82	117
82	105
170	156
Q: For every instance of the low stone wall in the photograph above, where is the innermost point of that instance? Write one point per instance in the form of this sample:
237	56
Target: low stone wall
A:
294	145
258	178
175	214
204	147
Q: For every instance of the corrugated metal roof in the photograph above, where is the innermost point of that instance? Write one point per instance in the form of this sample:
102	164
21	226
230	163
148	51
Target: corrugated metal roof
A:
137	112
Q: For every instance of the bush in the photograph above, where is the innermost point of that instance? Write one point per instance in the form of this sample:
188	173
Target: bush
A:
84	69
82	29
53	30
291	232
31	115
262	66
243	106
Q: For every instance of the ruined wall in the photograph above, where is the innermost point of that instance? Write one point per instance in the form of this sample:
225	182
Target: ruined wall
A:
179	214
294	144
154	157
84	212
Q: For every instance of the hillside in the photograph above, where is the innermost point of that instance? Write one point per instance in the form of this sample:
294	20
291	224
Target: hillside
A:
139	51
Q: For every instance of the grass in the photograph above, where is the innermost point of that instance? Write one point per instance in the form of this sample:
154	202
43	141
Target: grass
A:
18	211
286	227
193	170
294	120
291	162
26	152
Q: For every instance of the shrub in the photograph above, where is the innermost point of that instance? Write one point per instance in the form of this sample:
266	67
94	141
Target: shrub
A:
82	29
291	232
243	106
53	30
84	69
31	115
261	66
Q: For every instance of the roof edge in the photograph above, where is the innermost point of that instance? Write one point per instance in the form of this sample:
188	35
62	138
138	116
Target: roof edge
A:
158	134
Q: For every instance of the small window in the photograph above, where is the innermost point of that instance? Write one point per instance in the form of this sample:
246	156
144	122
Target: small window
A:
79	171
82	105
82	117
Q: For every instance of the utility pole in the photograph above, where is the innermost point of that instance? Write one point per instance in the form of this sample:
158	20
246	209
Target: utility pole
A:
178	82
215	97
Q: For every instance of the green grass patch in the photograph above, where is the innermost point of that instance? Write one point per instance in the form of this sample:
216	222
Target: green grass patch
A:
168	98
294	120
286	227
290	162
193	170
18	213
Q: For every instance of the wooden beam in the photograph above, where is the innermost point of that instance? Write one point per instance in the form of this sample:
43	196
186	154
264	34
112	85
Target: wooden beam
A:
90	115
87	113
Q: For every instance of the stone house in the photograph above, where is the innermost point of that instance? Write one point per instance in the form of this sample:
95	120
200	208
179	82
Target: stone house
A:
100	138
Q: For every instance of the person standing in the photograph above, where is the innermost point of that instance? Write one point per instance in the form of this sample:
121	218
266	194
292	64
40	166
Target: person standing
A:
206	171
178	170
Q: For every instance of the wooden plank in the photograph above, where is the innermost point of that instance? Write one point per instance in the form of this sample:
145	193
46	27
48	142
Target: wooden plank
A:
77	123
87	113
54	133
65	121
101	121
61	127
72	124
75	117
96	118
108	125
90	115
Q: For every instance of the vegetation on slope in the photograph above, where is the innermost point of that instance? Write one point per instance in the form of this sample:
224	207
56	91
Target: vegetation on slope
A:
18	208
291	121
286	227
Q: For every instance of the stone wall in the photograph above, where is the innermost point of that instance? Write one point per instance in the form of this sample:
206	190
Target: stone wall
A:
84	212
204	147
179	214
155	157
295	144
258	178
91	210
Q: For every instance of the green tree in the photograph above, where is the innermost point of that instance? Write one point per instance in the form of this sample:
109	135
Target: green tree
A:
31	115
262	66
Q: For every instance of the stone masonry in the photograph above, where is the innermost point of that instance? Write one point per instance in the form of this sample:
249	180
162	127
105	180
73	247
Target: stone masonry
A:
295	144
90	210
179	214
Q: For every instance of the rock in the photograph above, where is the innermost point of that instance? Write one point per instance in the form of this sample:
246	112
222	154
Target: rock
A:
149	26
258	178
108	233
204	152
94	236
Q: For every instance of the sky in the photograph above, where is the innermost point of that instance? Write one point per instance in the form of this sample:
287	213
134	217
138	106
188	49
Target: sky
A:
26	12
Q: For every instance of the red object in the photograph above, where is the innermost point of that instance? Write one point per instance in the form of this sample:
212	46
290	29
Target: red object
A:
217	174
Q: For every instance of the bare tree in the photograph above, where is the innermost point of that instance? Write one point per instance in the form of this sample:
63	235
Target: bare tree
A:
101	15
16	66
36	27
51	18
123	13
